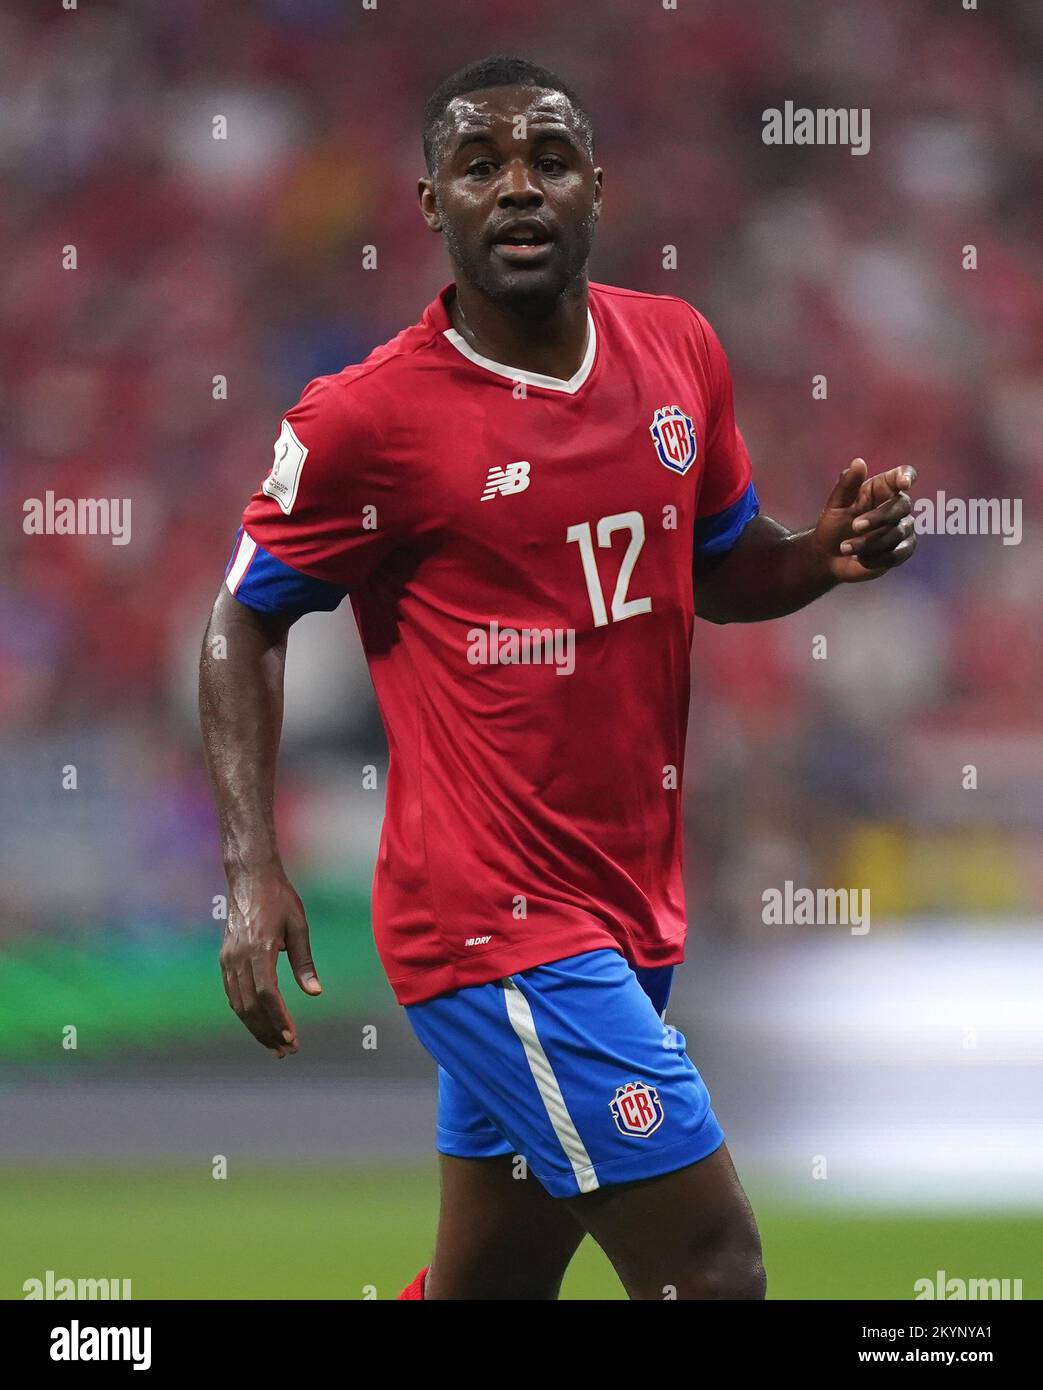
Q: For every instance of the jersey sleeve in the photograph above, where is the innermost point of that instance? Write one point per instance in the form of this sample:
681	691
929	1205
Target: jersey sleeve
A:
727	498
323	518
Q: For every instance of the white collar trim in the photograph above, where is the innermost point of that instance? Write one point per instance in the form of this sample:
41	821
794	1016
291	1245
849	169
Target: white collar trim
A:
549	383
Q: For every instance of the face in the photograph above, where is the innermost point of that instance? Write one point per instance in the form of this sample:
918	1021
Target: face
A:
515	194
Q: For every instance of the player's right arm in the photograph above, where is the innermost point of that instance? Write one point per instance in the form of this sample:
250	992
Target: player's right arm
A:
316	528
240	710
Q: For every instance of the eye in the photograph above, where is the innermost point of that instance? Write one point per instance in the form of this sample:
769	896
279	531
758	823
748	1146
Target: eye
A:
480	167
550	164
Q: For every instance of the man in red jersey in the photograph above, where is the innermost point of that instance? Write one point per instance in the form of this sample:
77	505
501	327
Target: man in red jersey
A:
528	496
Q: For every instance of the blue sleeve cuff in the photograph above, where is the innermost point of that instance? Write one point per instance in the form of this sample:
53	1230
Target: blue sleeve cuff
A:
255	577
714	535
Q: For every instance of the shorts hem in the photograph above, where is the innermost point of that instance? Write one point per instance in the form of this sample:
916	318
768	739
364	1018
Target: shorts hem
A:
634	1168
456	1145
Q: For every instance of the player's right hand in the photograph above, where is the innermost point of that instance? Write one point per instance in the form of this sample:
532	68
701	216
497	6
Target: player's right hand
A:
265	916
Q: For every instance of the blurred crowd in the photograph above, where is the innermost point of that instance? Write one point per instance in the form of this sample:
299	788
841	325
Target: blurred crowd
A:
168	294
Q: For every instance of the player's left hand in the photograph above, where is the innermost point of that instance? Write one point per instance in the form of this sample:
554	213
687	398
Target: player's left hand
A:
866	527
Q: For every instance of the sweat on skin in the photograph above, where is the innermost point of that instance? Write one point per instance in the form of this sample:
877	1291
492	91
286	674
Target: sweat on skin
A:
516	201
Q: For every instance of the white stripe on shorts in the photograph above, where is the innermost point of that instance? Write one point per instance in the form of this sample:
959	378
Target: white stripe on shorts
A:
524	1025
247	550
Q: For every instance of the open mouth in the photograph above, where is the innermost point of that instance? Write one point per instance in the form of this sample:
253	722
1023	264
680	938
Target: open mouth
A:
523	244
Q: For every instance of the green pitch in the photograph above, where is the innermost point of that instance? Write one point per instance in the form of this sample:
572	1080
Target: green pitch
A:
338	1232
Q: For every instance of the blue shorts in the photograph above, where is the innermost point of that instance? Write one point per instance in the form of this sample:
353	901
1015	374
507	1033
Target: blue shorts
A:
571	1066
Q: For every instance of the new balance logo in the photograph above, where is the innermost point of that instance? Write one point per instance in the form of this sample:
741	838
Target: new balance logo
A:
513	478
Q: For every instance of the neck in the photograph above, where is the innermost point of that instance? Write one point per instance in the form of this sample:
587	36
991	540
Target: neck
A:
552	344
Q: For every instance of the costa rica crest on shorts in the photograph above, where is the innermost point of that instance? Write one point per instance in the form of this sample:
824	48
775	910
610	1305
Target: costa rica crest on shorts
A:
636	1109
673	435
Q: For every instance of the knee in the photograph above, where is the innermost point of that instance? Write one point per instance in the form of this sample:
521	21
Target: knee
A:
736	1273
729	1269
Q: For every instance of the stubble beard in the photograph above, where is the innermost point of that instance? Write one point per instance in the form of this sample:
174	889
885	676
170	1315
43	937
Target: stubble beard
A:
529	295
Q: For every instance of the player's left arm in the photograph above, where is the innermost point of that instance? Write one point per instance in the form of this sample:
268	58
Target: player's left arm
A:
864	531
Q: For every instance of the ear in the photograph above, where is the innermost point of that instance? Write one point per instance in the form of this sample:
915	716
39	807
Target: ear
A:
429	204
597	194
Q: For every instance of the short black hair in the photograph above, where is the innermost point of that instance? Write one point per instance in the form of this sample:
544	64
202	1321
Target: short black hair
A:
501	70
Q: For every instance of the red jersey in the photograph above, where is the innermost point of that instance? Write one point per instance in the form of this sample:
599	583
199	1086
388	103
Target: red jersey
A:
518	552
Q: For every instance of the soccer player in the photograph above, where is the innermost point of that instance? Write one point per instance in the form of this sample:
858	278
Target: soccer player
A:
528	497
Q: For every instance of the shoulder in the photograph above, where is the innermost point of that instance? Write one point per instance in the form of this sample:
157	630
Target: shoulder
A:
353	402
658	313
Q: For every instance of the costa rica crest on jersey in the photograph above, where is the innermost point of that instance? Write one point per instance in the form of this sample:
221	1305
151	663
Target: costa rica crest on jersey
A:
673	435
636	1109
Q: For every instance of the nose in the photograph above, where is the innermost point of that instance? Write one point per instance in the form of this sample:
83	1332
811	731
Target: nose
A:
517	188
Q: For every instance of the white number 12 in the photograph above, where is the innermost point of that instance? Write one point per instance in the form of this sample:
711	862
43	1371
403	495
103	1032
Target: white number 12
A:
622	607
